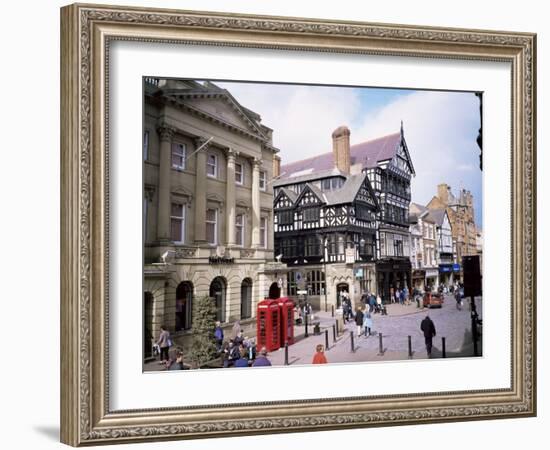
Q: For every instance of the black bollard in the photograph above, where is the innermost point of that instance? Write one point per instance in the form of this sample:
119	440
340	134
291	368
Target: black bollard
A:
352	345
443	349
410	348
286	353
334	334
306	334
474	332
337	330
380	345
332	307
326	339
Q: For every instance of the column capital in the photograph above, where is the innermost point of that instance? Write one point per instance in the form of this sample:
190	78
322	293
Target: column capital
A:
166	132
231	154
256	163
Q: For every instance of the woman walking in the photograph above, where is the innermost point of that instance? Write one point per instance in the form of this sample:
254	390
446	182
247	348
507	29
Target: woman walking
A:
367	323
164	344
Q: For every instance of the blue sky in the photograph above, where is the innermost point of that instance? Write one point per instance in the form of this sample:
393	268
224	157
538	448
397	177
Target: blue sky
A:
440	127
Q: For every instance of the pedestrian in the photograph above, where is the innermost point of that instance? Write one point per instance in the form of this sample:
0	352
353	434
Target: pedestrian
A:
218	335
406	295
236	329
379	304
178	363
402	297
243	360
458	299
239	339
397	296
372	303
232	354
261	360
367	323
359	320
365	298
164	342
319	357
428	328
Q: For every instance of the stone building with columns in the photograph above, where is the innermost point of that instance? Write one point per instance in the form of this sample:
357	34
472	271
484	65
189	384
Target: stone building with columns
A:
207	207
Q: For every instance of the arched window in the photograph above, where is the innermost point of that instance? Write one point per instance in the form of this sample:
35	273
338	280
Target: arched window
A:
218	291
246	298
274	291
147	324
184	306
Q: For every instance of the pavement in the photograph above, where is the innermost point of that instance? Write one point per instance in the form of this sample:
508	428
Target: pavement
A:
402	321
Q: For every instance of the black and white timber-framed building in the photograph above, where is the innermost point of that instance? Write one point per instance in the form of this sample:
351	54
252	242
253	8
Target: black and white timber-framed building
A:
348	210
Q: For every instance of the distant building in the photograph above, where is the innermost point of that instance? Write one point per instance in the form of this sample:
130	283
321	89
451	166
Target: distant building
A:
427	225
460	211
417	247
207	205
445	260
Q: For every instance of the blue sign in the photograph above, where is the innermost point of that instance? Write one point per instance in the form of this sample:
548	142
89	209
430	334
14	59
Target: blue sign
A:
456	267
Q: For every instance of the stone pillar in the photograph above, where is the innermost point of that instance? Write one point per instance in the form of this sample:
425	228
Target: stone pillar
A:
200	192
257	163
163	218
230	198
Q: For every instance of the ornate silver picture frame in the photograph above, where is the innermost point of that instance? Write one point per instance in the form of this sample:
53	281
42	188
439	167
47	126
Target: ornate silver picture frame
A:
87	34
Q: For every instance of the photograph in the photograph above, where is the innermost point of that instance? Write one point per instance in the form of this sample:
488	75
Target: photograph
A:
298	224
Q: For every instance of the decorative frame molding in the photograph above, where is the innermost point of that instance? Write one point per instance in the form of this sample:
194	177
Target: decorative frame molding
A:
86	32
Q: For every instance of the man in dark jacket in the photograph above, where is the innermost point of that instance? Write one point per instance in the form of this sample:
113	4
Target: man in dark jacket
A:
428	328
359	321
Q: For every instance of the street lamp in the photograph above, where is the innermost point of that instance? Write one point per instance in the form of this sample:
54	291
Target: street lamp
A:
325	254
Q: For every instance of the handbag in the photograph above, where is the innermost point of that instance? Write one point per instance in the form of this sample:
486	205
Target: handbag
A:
170	343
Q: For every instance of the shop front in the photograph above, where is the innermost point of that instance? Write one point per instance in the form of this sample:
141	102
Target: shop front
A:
418	277
393	274
432	279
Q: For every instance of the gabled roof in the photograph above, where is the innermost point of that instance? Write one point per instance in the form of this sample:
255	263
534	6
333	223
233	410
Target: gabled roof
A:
290	194
348	192
315	190
437	215
368	154
308	175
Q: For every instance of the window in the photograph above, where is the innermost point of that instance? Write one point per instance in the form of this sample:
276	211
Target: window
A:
262	181
177	223
145	145
145	208
239	229
285	218
313	246
212	226
239	173
315	282
178	156
263	232
311	214
291	283
212	166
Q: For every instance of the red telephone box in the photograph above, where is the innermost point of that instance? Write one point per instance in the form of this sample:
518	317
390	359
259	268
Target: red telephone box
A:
286	310
268	325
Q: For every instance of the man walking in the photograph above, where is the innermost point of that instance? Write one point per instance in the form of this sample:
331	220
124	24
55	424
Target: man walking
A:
359	320
428	328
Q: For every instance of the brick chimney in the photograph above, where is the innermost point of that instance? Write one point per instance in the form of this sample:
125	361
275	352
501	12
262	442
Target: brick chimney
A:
443	192
276	166
340	148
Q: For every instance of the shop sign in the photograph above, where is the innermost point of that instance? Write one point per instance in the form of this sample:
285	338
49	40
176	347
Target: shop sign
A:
456	267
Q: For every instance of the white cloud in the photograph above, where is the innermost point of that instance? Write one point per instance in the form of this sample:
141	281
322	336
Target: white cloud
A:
440	128
302	117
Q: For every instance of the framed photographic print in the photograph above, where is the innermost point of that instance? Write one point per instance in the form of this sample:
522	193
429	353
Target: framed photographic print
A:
328	224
